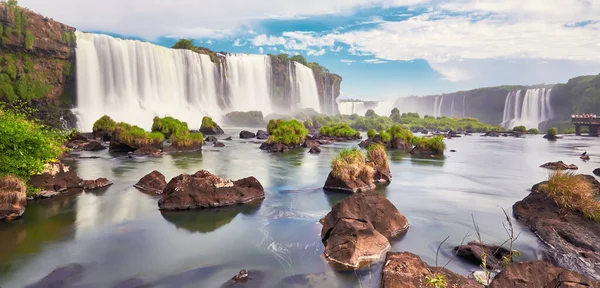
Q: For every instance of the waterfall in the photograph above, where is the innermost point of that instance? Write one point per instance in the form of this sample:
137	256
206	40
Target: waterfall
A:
307	87
352	107
134	81
452	108
530	110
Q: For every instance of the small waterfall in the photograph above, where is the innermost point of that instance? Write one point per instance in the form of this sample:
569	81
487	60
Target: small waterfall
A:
332	112
439	109
463	108
249	81
530	110
452	108
352	107
307	87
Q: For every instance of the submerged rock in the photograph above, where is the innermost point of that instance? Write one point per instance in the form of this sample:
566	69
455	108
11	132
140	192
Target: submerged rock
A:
211	139
13	197
559	165
262	135
61	277
247	135
358	185
218	144
358	228
407	270
228	138
472	253
573	240
96	184
147	151
154	182
314	150
538	274
205	190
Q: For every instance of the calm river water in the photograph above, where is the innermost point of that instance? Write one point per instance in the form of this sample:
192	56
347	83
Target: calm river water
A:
118	233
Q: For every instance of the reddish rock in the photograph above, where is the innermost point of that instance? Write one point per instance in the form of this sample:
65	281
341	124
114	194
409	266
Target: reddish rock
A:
13	197
205	190
56	177
358	228
559	165
152	183
311	143
96	184
407	270
538	274
93	146
472	253
359	185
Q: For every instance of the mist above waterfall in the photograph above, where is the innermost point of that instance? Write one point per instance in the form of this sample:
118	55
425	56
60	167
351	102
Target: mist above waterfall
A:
134	81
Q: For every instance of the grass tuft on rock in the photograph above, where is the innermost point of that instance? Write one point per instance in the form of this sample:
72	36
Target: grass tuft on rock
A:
105	123
290	133
208	123
183	140
351	164
169	126
340	130
435	144
573	192
135	135
12	190
377	155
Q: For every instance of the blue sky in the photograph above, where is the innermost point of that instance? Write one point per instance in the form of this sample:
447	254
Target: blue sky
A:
383	49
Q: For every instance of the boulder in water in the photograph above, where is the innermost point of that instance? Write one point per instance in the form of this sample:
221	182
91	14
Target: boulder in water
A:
585	157
262	135
96	184
154	182
309	143
274	147
314	150
147	151
205	190
93	146
247	135
13	197
56	177
473	251
539	274
211	139
559	165
357	185
219	144
210	127
597	172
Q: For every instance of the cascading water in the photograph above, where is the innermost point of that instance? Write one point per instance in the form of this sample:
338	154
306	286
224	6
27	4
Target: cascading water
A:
352	107
530	110
134	81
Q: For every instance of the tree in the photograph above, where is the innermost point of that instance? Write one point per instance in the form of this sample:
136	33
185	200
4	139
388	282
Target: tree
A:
370	113
521	129
299	58
184	44
11	3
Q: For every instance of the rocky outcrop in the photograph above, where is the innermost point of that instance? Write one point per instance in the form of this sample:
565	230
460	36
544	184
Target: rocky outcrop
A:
61	178
205	190
119	144
211	139
358	185
559	165
85	145
573	241
13	198
396	143
314	150
96	184
262	135
473	251
154	182
407	270
539	274
274	147
219	144
423	151
211	130
247	135
357	230
149	151
597	172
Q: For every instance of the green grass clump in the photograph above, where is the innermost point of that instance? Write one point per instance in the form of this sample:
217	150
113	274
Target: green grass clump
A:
573	192
385	136
135	136
521	129
377	155
371	133
350	164
534	131
396	131
105	123
273	123
309	124
208	123
188	139
341	130
169	126
435	144
552	132
25	146
290	132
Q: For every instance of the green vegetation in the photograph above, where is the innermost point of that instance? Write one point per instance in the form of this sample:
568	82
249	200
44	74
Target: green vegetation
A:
290	132
371	133
377	155
341	130
188	44
533	131
521	129
435	144
187	139
393	133
569	131
136	136
371	113
300	59
25	145
552	132
19	80
169	126
309	124
11	3
350	164
573	192
105	123
208	123
437	281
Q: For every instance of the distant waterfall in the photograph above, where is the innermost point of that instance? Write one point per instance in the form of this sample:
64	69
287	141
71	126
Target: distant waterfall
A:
133	81
529	110
382	108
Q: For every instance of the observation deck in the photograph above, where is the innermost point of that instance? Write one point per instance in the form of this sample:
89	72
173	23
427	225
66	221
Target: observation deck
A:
593	125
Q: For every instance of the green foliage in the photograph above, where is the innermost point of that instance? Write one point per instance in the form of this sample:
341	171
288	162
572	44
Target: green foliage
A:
25	146
437	281
169	126
9	66
273	123
309	124
105	123
27	64
208	123
284	57
371	133
521	129
290	132
341	130
385	136
11	3
29	88
187	139
317	66
135	135
396	131
569	131
300	59
6	88
8	31
552	132
187	44
29	40
350	164
535	131
435	144
67	37
1	29
370	113
67	69
17	29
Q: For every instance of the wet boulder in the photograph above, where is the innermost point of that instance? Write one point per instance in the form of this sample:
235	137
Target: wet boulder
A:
539	274
96	184
247	135
357	185
147	151
93	146
274	147
262	135
13	197
211	139
154	182
473	251
308	143
314	150
56	177
218	144
559	165
205	190
407	270
356	231
597	172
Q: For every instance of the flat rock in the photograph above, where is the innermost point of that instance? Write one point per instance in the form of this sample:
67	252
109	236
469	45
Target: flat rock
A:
96	184
539	274
314	150
154	182
47	194
219	144
359	185
407	270
205	190
559	165
473	250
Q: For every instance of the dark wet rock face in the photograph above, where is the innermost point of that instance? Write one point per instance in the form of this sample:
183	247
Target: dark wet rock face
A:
13	198
211	130
96	184
473	251
559	165
407	270
211	139
262	135
247	135
56	177
274	147
358	185
573	240
357	229
314	150
154	182
205	190
61	277
597	172
538	274
219	144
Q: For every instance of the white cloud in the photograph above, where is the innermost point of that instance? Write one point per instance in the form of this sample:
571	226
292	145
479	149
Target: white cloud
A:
261	50
336	49
239	43
316	52
347	61
209	42
375	61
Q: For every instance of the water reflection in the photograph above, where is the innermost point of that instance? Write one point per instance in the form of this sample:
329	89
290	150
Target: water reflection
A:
208	220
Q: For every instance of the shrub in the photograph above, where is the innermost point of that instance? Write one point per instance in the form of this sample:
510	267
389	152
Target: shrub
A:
300	59
350	164
533	131
29	40
370	113
309	124
521	129
135	135
290	132
341	130
436	144
552	132
12	191
187	139
371	133
25	146
273	123
385	136
208	123
169	126
105	123
573	192
397	131
377	155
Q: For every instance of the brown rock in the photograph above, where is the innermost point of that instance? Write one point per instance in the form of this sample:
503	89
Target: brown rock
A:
472	253
204	190
423	151
400	144
314	150
219	144
357	229
247	135
559	165
96	184
573	240
13	197
93	146
152	183
538	274
359	185
274	147
311	143
148	151
407	270
211	139
56	177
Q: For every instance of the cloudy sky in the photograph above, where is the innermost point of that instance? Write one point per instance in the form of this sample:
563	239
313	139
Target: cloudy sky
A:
382	48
